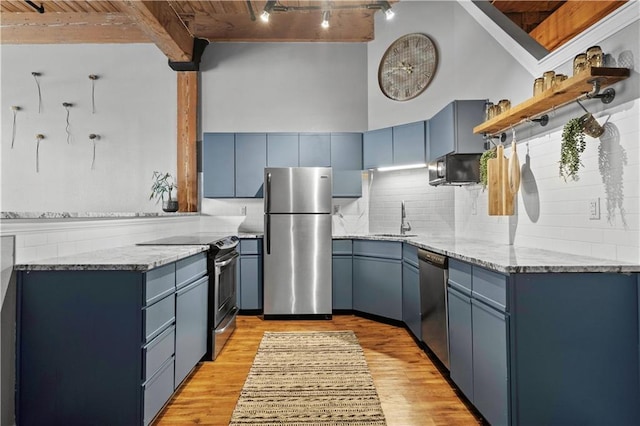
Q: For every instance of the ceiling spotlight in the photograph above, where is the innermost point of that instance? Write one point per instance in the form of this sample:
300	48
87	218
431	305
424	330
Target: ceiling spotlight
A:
264	16
386	8
325	19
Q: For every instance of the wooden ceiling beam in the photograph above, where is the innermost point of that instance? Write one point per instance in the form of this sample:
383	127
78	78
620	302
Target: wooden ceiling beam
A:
348	26
50	28
571	19
163	26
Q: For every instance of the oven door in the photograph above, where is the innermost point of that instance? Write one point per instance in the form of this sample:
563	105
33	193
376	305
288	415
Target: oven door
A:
224	292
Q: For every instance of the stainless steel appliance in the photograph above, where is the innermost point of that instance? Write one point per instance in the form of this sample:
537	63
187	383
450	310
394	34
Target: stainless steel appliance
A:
297	242
455	169
223	283
433	303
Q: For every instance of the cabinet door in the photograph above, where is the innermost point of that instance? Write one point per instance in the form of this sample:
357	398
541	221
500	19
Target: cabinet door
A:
251	282
251	159
441	133
218	165
377	286
490	384
191	327
377	148
346	151
282	150
408	144
460	341
342	282
411	300
346	184
315	150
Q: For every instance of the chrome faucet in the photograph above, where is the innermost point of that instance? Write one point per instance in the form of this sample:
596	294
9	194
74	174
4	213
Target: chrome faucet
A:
405	225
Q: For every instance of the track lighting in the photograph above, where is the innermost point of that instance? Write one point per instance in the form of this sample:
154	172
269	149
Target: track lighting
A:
267	10
386	8
325	19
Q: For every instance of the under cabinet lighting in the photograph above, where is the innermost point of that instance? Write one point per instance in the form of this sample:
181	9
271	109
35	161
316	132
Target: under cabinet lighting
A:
405	167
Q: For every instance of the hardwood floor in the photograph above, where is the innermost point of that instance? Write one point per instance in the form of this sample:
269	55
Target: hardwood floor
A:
412	390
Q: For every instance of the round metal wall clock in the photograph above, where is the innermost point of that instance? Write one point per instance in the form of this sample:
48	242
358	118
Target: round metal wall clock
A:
407	67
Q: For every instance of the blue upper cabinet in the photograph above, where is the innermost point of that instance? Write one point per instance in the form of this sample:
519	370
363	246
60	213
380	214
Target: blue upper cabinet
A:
251	159
377	148
346	160
409	144
282	150
451	129
218	151
315	149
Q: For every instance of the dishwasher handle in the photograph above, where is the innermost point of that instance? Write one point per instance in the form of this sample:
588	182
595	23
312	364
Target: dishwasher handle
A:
435	259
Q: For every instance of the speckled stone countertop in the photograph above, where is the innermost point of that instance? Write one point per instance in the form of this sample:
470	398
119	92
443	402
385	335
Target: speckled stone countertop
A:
127	258
506	258
88	215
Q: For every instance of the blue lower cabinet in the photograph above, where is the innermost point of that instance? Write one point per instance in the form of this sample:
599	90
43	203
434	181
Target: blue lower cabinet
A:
460	341
411	299
250	274
490	386
342	282
191	327
377	286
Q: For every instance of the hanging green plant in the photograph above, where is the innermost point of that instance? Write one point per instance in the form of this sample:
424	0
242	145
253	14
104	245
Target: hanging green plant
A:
486	156
573	144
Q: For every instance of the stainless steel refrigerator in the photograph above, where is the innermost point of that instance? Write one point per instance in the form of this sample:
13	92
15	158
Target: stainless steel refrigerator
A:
297	242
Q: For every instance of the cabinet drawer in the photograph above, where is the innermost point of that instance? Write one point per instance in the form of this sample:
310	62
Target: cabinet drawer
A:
460	274
158	351
158	316
159	282
157	391
410	254
490	287
342	247
383	249
251	246
190	269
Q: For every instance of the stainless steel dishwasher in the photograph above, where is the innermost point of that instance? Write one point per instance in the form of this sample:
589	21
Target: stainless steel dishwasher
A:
433	303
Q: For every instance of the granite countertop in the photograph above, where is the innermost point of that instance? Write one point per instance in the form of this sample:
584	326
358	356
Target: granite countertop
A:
89	215
127	258
507	258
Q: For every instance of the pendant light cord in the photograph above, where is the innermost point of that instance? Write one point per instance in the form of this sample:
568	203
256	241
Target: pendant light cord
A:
37	155
35	77
13	130
66	129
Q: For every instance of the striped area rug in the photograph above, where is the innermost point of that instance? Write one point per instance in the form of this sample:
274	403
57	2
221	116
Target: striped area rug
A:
309	378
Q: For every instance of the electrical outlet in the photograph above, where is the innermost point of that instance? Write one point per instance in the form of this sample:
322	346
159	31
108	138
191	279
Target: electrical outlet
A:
594	209
243	210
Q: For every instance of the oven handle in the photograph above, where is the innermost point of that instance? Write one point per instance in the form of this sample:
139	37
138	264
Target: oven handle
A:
227	261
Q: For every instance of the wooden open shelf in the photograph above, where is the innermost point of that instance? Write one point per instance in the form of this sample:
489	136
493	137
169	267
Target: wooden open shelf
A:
569	90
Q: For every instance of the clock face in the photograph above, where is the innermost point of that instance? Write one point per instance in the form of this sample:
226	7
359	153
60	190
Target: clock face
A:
407	67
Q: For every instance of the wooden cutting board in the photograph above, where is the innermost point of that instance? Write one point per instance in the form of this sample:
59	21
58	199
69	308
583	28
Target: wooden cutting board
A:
500	196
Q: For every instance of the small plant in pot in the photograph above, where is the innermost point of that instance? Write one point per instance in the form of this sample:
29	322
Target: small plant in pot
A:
162	187
573	144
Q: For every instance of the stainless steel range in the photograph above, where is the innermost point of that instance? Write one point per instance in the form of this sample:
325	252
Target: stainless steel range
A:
223	283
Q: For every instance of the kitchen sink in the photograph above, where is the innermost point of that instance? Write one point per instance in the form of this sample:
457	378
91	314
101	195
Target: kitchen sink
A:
394	235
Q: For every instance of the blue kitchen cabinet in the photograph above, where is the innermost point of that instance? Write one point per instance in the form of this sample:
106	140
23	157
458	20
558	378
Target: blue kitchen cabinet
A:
251	159
342	275
460	341
105	353
250	280
218	159
409	144
377	148
346	161
315	149
282	150
451	129
411	290
377	278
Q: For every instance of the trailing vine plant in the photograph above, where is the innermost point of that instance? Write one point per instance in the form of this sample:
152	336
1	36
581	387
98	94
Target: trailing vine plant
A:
573	144
486	156
612	158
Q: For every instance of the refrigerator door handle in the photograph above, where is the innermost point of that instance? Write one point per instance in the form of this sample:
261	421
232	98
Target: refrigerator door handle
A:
268	194
268	233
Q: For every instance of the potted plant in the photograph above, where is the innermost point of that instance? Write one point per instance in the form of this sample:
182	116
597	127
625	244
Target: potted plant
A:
573	144
163	185
486	156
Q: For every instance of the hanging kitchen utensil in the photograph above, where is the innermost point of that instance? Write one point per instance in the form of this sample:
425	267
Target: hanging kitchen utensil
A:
514	167
500	198
15	110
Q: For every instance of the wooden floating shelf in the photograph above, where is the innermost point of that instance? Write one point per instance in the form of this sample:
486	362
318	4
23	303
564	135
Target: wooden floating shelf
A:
567	91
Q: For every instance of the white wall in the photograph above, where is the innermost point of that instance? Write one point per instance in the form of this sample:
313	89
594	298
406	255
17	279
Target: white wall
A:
135	116
472	65
289	87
